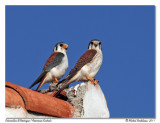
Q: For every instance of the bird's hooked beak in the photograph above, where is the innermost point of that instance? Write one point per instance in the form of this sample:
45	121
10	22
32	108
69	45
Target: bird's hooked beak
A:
95	44
65	47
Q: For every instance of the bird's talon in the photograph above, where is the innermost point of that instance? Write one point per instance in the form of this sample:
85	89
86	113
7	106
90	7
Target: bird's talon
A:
55	80
96	81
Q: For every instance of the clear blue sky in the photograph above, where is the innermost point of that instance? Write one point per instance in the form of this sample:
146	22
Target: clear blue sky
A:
127	33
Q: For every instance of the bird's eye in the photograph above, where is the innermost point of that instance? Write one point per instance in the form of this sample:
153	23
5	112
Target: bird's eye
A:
99	43
92	43
61	45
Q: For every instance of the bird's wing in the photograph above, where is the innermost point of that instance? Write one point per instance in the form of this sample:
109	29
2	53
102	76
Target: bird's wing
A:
83	60
54	60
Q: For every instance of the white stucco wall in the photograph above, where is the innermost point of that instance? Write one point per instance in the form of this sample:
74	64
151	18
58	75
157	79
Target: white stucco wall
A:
94	103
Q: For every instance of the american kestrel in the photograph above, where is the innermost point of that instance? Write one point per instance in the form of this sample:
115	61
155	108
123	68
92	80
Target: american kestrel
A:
55	67
87	66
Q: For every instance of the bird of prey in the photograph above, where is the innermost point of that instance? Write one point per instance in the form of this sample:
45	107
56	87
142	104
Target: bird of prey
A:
87	66
55	67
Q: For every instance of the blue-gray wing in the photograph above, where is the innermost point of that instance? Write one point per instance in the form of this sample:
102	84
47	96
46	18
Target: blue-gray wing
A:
54	60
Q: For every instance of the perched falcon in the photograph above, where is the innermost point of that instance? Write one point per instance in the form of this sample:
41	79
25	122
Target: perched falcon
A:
87	66
55	67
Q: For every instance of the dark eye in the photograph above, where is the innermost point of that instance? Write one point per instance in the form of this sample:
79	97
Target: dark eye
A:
99	43
92	43
61	45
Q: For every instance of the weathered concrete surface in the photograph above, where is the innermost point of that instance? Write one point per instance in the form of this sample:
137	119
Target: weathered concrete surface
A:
75	96
52	87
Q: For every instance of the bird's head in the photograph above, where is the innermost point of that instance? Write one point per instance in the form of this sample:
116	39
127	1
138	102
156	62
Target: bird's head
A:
95	44
61	47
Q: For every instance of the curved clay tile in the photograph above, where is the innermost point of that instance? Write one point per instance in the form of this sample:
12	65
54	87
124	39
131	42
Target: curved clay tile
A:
37	102
13	98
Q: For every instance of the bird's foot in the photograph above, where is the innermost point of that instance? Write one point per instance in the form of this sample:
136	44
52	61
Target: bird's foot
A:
89	79
92	80
55	80
96	82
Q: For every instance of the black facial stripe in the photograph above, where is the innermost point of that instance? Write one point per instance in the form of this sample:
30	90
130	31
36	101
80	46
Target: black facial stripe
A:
100	46
89	45
56	47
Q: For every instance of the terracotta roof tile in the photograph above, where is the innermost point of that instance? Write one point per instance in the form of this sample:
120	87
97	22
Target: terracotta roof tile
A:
13	98
37	102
